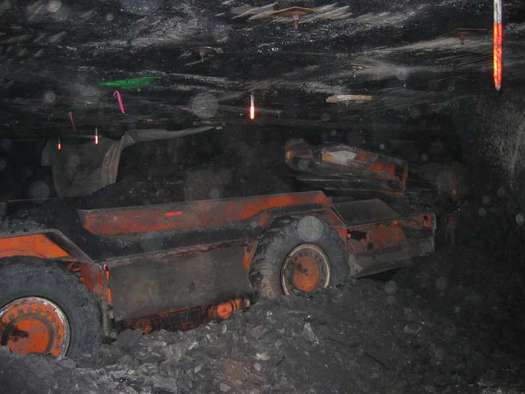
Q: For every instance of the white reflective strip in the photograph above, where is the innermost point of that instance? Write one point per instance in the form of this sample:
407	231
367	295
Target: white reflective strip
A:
252	107
497	11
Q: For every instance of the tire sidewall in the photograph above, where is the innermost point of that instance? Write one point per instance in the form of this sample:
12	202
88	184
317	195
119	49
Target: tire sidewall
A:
269	261
23	277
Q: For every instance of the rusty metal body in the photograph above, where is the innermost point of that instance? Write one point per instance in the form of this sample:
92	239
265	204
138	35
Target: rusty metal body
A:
346	169
150	260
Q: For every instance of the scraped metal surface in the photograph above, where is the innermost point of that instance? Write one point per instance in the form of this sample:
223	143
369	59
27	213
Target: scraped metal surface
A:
146	284
367	211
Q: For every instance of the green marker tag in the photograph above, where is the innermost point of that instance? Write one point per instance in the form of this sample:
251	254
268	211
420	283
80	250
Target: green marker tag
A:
128	84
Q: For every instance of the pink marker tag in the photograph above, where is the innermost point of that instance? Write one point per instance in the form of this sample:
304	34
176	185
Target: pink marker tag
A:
120	101
72	120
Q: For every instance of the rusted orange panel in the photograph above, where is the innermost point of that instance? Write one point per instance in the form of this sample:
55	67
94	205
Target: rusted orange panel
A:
249	252
95	277
193	215
36	245
423	221
188	318
384	236
380	167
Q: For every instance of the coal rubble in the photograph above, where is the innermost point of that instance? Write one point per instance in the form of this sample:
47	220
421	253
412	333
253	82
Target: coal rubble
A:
366	337
111	104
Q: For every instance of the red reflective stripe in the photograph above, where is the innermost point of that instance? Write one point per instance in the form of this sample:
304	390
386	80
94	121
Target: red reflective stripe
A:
498	55
172	214
498	44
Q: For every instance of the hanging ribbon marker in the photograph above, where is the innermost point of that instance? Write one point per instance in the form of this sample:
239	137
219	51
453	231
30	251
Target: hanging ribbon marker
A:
72	120
252	107
498	44
120	101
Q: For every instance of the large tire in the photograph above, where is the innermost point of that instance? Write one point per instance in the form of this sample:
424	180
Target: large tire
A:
24	278
285	237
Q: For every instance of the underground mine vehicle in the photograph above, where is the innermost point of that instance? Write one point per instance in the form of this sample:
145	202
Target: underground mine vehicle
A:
65	290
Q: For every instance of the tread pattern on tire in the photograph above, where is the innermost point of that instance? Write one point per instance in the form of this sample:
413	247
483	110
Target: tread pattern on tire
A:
24	276
279	240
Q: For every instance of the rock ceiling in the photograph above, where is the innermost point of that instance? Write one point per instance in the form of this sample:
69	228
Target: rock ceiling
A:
195	62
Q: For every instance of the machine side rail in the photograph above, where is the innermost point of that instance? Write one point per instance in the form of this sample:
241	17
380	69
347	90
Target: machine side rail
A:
196	215
47	244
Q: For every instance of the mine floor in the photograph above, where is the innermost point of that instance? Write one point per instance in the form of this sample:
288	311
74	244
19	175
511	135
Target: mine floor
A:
423	329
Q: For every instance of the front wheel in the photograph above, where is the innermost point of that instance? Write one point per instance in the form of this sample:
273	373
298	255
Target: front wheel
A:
298	257
44	309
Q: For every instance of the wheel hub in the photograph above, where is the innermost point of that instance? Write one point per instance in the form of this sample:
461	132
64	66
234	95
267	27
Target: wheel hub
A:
34	325
305	270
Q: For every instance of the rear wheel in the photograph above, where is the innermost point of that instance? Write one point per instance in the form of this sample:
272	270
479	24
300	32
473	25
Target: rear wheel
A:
305	269
298	257
44	309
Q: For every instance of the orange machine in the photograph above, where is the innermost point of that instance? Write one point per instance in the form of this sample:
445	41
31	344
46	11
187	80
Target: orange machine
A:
346	170
62	290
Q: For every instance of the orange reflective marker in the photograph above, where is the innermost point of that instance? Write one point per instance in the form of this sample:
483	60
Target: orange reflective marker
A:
498	44
252	107
59	144
96	137
225	310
